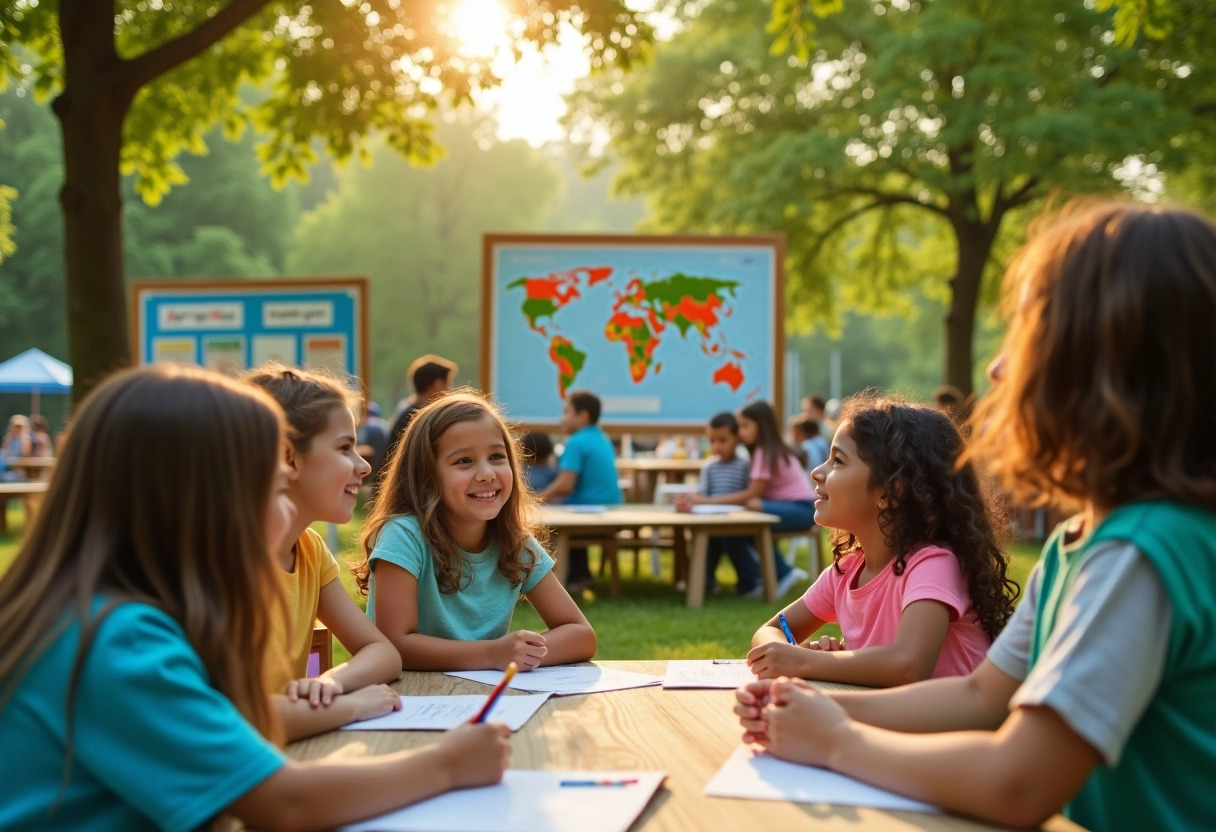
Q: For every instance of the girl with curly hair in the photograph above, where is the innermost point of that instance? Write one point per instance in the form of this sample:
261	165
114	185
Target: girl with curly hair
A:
449	549
918	580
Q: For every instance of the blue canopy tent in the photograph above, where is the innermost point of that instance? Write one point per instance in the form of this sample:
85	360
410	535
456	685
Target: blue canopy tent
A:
35	372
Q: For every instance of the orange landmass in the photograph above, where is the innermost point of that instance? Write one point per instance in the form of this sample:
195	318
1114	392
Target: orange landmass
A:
731	375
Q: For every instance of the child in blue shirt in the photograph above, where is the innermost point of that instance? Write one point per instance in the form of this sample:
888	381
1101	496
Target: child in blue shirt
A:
586	473
133	630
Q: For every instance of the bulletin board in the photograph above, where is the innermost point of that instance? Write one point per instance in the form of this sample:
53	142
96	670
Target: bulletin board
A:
233	325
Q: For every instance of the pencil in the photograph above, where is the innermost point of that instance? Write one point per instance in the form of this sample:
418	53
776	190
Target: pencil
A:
494	694
785	628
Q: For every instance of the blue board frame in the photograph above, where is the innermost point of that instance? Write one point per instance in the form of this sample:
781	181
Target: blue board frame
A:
233	325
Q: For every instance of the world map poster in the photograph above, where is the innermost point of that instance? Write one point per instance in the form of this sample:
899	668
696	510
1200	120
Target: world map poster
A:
667	331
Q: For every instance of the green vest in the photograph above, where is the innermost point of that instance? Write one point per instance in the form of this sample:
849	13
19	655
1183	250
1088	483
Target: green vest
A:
1166	776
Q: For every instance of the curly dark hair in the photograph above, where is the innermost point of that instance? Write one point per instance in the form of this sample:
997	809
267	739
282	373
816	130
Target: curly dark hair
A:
913	453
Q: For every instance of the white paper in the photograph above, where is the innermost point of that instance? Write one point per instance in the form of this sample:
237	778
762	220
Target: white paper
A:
439	713
715	508
528	801
752	774
706	673
565	680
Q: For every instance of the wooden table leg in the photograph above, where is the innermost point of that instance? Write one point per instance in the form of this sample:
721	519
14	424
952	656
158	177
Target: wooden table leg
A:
561	557
696	568
768	566
679	554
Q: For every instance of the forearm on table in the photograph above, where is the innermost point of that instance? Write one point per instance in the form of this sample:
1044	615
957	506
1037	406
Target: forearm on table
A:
300	719
300	796
568	643
422	652
955	703
876	667
378	662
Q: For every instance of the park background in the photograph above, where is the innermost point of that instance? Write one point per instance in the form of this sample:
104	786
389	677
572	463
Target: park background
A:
901	147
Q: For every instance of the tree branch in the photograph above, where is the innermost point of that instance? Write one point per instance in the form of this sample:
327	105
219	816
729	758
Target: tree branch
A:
172	53
882	198
880	201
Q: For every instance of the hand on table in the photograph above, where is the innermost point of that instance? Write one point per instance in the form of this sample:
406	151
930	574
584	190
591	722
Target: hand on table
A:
791	719
777	658
685	502
475	755
524	647
317	690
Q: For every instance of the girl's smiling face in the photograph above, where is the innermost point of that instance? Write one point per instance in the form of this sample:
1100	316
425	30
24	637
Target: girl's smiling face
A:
844	498
329	473
475	478
748	431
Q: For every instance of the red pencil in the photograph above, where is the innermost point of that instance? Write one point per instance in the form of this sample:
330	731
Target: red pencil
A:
494	694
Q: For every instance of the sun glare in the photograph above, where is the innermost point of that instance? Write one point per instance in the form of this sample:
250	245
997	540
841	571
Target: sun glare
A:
480	26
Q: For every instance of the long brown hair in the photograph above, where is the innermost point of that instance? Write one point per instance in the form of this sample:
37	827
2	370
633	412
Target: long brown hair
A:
411	487
1108	387
306	396
159	496
768	436
913	452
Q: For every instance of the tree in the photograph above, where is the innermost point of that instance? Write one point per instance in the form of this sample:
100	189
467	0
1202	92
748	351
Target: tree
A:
914	122
416	233
138	82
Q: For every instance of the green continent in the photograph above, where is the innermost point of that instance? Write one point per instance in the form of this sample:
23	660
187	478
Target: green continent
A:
536	308
673	289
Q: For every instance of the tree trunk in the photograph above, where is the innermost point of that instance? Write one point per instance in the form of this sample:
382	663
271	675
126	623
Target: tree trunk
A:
91	110
974	245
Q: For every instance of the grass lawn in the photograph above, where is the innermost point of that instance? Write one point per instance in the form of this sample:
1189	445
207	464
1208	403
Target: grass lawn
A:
648	620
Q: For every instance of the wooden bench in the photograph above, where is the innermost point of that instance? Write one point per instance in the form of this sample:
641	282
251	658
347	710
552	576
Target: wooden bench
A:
323	646
29	492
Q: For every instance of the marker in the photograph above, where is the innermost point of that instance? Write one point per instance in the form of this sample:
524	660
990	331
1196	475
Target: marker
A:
494	694
785	628
630	782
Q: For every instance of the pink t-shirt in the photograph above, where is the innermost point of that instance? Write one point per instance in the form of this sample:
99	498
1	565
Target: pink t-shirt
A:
789	483
869	615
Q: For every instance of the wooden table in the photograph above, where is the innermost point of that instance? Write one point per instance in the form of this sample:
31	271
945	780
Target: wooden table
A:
34	467
688	734
29	492
566	523
649	471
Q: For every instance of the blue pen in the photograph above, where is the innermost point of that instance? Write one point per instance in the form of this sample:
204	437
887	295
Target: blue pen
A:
785	628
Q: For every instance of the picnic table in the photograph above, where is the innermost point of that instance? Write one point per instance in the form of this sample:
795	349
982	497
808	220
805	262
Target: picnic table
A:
29	493
688	734
649	472
603	523
34	467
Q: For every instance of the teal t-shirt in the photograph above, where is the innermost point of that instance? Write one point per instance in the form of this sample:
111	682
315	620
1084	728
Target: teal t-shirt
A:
480	610
588	453
154	745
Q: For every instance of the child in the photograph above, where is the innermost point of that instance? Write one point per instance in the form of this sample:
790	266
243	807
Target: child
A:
918	579
133	626
727	473
539	467
586	474
14	445
778	485
805	432
40	437
449	550
326	471
1097	697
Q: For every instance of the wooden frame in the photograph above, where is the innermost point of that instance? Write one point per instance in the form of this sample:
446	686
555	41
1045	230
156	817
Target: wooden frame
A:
746	260
285	290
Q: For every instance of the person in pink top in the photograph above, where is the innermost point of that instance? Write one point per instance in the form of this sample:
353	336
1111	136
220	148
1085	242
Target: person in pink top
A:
918	581
778	485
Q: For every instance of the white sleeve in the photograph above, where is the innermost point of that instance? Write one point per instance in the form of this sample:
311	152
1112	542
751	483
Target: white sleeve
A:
1105	658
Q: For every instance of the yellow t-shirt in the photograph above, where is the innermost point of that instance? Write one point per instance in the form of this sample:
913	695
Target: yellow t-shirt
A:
314	568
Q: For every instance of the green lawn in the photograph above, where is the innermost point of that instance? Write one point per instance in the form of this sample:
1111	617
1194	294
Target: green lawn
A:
648	620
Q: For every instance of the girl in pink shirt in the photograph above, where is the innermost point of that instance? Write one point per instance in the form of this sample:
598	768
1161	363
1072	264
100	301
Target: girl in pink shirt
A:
918	580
